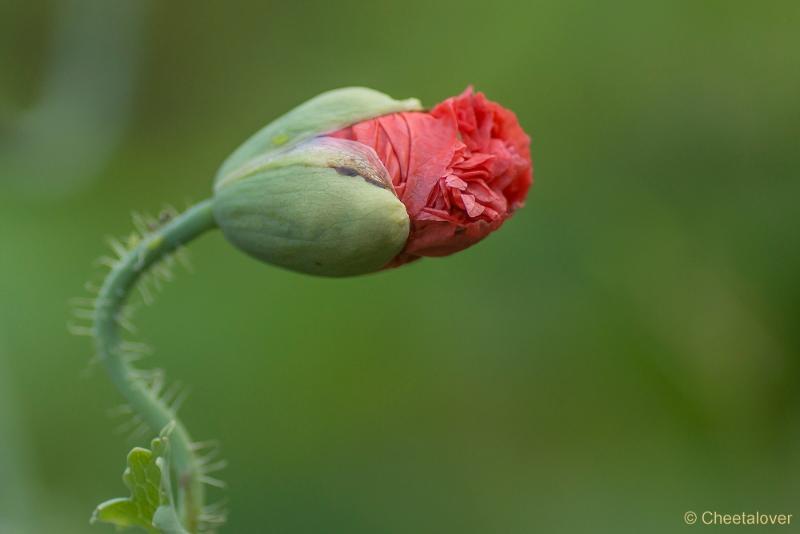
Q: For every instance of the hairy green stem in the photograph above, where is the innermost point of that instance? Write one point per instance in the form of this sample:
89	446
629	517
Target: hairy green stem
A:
153	410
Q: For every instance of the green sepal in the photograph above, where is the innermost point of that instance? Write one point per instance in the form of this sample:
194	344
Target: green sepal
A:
324	113
325	207
150	505
347	156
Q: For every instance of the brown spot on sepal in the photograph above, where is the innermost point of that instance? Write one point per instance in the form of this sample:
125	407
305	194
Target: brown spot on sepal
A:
350	171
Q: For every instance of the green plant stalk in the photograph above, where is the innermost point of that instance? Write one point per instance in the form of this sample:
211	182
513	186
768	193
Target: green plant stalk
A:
153	410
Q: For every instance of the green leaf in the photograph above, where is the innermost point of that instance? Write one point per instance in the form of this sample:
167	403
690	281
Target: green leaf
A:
149	507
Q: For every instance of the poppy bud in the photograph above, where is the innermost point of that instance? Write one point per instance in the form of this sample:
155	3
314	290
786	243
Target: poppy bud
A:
313	204
353	181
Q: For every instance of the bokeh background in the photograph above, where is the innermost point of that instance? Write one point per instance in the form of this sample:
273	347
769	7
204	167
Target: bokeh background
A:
624	350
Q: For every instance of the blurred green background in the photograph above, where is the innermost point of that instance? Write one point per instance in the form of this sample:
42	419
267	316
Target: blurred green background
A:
624	350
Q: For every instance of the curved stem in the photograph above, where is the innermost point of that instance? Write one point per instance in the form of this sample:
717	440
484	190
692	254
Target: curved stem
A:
153	410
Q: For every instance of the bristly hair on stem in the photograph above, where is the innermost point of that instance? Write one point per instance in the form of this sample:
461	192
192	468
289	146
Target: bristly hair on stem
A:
144	260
